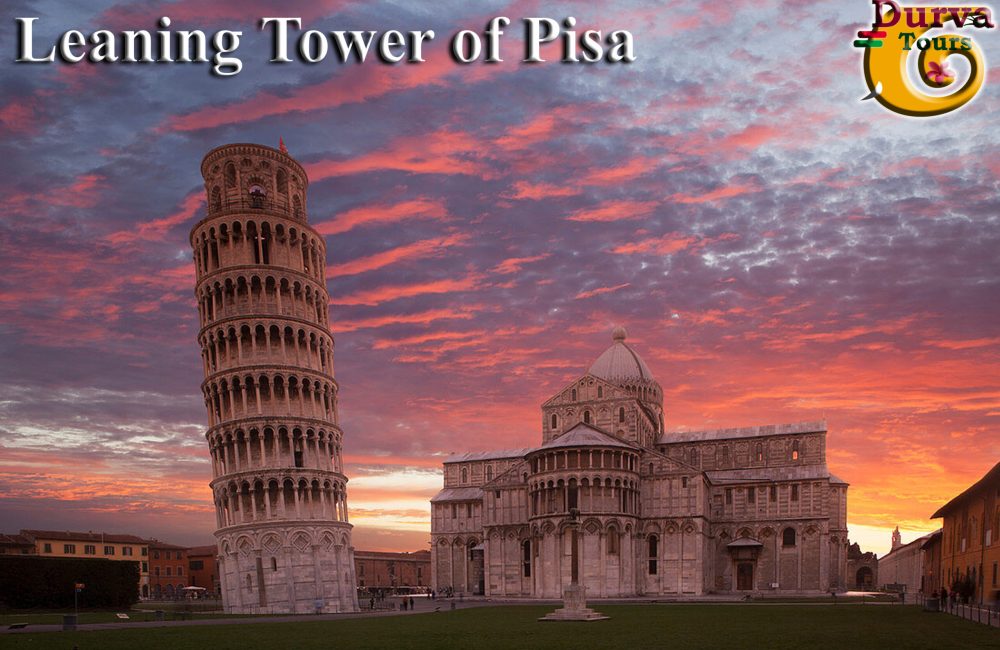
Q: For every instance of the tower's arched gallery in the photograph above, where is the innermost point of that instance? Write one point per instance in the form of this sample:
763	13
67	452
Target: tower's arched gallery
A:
278	479
676	514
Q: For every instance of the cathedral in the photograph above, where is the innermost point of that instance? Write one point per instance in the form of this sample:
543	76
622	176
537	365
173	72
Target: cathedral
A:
679	514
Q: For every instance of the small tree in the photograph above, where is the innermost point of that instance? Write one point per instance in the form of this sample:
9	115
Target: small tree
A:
964	587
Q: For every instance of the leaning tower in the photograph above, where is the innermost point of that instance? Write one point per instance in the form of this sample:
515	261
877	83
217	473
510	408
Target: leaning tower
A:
280	493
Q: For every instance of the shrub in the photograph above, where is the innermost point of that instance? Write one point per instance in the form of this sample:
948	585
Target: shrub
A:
28	582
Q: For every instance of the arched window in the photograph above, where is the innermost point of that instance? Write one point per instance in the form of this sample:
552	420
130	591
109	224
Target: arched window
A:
573	393
760	452
555	421
282	181
586	417
788	537
694	457
600	392
621	414
526	558
654	545
612	541
795	450
465	475
489	472
257	196
274	564
230	176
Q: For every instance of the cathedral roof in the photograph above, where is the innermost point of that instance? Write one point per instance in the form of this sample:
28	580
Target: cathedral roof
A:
584	435
771	474
620	362
458	494
488	455
743	432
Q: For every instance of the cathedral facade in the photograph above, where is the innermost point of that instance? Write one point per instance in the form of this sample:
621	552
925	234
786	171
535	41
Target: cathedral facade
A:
744	510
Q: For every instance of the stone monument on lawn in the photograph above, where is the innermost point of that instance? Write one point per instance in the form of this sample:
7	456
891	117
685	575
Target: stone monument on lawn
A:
575	595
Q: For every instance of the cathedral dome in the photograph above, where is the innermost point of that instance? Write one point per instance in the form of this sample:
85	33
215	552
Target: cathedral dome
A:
620	362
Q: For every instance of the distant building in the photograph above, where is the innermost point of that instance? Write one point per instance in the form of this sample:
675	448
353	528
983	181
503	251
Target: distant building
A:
16	545
970	547
392	570
651	512
862	569
110	546
932	562
167	570
902	568
202	568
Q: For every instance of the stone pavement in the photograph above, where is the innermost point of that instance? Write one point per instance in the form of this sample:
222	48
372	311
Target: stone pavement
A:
421	606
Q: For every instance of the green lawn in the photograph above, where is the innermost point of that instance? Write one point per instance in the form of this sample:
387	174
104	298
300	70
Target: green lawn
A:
845	627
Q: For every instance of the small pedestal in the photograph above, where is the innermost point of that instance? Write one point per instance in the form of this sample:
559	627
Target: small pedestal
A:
574	607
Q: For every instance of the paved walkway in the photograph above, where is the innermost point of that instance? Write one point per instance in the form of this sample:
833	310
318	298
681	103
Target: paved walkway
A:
421	606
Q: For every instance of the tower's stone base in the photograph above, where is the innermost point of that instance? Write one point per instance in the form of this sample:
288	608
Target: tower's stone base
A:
574	607
286	568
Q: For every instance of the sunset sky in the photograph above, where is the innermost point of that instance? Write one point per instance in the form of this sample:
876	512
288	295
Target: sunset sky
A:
778	250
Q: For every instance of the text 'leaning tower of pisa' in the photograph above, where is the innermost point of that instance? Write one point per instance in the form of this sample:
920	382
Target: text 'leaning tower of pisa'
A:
280	493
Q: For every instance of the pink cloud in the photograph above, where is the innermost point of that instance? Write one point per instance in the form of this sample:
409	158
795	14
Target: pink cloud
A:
600	291
720	194
384	294
615	211
434	247
380	214
540	191
515	264
440	152
154	230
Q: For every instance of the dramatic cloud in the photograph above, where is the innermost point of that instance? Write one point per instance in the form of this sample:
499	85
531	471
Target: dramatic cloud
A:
778	250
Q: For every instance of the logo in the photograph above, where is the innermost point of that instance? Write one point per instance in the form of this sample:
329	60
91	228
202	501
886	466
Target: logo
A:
902	32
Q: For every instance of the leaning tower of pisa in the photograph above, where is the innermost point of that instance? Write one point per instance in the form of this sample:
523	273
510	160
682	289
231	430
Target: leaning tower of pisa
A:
279	488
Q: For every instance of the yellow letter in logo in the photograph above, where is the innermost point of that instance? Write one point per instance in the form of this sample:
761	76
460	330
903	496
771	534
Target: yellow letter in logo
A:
887	65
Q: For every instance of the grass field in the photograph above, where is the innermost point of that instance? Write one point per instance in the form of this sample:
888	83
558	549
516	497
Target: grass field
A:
779	627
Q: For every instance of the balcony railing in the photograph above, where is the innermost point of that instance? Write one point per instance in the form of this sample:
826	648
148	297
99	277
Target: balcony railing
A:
256	203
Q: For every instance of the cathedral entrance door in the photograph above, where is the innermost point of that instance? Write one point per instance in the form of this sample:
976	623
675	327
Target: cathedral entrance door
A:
744	576
477	576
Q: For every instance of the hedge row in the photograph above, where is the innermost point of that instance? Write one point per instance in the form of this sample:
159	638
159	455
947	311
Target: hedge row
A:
28	582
